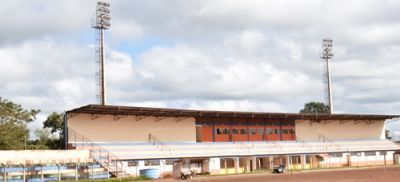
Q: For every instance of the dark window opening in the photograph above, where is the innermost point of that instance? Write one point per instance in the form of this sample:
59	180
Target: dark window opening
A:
252	131
260	131
218	131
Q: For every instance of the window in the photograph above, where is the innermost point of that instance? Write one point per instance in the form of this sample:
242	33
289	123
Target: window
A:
276	131
252	131
226	131
170	161
152	162
260	131
336	154
291	131
285	131
370	153
269	131
243	131
355	154
132	163
235	131
382	153
218	131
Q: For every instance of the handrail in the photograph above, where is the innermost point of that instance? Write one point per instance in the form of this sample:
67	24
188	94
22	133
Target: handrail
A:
93	147
158	143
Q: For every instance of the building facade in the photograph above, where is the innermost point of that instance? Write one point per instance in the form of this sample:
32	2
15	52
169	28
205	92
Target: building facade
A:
229	142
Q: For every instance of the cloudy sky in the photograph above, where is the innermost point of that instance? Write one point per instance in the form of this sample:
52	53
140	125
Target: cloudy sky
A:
253	55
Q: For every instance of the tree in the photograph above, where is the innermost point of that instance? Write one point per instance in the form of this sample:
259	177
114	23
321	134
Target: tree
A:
13	119
55	122
315	107
387	134
15	114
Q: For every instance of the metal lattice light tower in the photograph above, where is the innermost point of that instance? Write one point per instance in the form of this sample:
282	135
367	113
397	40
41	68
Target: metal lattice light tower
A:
101	22
327	56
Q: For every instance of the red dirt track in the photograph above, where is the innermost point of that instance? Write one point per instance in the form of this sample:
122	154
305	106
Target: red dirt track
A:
379	174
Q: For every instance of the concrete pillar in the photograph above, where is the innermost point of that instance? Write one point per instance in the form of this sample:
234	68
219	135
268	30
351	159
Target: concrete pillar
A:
247	164
162	168
76	172
225	167
287	161
23	173
41	173
384	157
58	172
236	164
4	173
214	165
303	161
271	162
92	171
205	167
254	163
186	165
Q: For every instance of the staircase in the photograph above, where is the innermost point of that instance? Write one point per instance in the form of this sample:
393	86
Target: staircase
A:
98	153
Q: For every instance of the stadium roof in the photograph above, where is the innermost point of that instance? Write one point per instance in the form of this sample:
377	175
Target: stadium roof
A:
166	112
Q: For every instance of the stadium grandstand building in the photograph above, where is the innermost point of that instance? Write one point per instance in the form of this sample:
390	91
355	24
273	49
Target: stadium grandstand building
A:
125	140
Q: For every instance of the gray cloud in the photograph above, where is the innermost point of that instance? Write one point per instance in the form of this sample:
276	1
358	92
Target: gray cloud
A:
225	55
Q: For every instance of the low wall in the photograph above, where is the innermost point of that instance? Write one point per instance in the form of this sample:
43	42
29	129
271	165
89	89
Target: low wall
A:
16	157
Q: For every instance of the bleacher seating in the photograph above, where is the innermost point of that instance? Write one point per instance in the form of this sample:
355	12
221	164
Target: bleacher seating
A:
181	150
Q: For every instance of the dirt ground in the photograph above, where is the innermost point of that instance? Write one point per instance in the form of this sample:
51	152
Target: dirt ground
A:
380	174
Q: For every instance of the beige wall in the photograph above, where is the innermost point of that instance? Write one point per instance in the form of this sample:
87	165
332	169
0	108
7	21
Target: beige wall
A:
132	128
305	130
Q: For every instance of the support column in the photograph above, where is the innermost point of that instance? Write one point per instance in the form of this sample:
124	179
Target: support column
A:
384	157
271	162
254	163
163	163
4	173
287	164
303	161
215	165
186	164
236	164
76	172
92	171
41	172
23	172
225	167
58	172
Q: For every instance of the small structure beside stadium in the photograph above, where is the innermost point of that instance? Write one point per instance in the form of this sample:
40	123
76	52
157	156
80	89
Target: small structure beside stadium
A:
125	140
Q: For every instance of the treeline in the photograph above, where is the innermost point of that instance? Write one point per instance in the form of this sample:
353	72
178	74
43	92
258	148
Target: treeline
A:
14	133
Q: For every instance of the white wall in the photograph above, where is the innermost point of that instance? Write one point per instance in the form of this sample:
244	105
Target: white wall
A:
43	156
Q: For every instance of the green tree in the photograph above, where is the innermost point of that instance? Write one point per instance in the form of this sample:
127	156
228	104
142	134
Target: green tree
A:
45	140
315	107
55	122
13	119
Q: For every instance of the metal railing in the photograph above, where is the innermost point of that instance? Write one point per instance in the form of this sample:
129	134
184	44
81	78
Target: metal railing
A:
158	143
110	162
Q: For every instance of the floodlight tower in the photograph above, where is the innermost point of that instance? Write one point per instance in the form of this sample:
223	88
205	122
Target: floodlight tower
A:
101	22
327	56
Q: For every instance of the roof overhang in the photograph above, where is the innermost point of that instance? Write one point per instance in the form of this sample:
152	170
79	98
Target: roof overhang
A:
167	112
